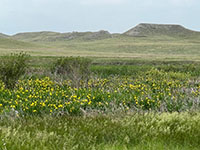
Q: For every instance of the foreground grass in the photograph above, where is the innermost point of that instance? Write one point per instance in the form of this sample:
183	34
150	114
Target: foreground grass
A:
148	131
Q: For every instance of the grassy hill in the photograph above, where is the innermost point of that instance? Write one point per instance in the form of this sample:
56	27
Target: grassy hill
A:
144	30
145	41
3	35
46	36
8	45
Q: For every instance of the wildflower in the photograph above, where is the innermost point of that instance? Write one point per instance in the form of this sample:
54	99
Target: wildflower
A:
32	104
12	106
60	106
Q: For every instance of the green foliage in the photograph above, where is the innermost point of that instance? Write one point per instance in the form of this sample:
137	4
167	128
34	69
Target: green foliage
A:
12	68
193	69
118	70
75	68
161	75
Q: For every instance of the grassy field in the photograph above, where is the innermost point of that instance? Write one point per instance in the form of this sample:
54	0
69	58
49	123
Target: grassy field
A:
142	94
143	48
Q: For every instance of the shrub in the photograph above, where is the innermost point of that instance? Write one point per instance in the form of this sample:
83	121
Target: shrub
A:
12	67
163	75
74	68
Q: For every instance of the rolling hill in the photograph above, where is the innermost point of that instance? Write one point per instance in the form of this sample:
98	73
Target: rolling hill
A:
46	36
8	43
3	35
141	30
145	41
147	30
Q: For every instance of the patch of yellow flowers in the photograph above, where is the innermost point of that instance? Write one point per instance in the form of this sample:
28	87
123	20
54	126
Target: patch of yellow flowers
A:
146	93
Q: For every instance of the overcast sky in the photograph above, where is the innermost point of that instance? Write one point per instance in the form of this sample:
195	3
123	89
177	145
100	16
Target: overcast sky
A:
93	15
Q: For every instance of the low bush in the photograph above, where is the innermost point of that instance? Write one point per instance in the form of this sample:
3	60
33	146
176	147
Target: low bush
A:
74	68
12	67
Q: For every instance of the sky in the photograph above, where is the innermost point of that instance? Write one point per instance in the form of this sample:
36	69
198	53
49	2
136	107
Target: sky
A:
115	16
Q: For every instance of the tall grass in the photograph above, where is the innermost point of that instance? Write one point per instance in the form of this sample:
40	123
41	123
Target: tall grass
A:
135	131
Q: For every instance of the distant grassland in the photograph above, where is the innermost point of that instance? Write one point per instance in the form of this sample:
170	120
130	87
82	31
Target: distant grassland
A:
119	55
163	48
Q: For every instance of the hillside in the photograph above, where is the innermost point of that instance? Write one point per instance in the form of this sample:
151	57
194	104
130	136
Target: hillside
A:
155	42
7	43
3	35
141	30
147	30
46	36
